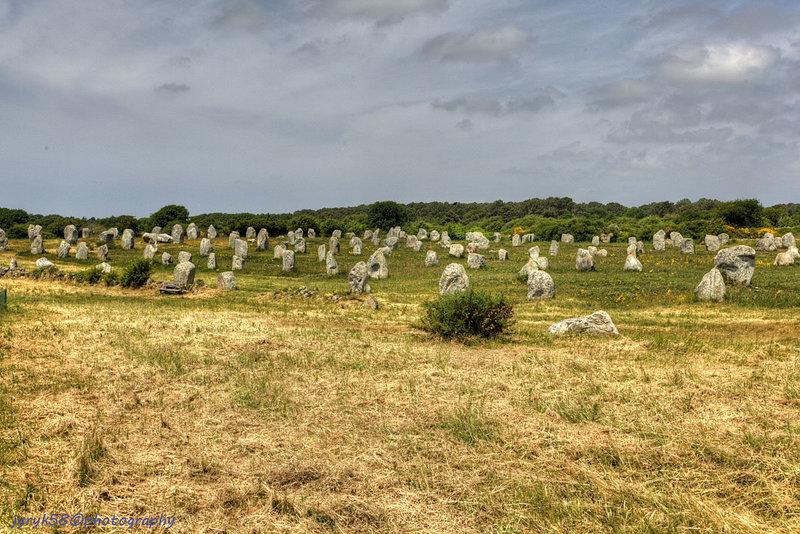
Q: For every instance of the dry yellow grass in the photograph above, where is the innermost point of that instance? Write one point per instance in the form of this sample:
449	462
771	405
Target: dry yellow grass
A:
260	413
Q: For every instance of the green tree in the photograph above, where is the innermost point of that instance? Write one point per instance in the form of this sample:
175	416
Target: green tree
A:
387	214
742	213
169	213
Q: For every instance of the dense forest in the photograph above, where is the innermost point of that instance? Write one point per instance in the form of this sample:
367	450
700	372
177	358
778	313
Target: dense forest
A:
548	218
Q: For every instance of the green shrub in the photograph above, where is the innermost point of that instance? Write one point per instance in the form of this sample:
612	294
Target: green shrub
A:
468	313
136	274
89	276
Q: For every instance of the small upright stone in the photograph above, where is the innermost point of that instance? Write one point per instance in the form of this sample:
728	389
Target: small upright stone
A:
659	240
300	245
212	261
431	258
476	261
712	243
445	239
516	240
331	267
298	233
457	250
788	240
596	241
687	245
63	249
86	233
676	238
184	273
262	239
232	237
321	253
502	254
632	263
277	252
226	281
723	239
102	252
167	259
82	251
240	248
567	238
192	231
312	233
711	287
434	236
288	260
554	248
583	260
377	265
206	246
290	237
454	279
13	263
71	234
533	252
36	245
333	244
358	278
127	239
184	256
540	286
149	251
250	233
370	303
237	263
211	233
177	234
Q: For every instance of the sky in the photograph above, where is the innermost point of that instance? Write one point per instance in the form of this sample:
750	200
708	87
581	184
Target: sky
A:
269	106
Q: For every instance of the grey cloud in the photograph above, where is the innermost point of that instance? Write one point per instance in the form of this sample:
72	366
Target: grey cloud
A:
717	63
756	20
494	106
622	93
658	133
678	15
382	11
173	88
243	15
464	125
480	46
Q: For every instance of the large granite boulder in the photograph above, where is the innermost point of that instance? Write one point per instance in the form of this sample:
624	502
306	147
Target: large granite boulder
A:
358	279
453	279
711	287
63	249
226	281
206	246
583	260
71	234
712	243
377	265
598	323
659	240
737	264
184	273
431	258
540	286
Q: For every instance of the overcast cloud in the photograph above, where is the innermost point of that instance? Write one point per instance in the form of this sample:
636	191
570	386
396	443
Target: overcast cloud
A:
276	105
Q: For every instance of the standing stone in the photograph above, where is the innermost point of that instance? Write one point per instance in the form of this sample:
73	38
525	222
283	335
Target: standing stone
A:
480	240
232	237
476	261
102	252
13	263
712	243
391	242
659	240
277	252
529	267
312	233
206	246
367	235
567	238
82	252
333	244
300	245
106	237
445	239
149	251
377	265
516	240
184	273
192	231
211	232
44	263
358	278
103	267
431	259
631	240
63	249
631	249
767	243
676	238
376	237
583	260
177	234
331	267
357	250
157	230
71	234
212	261
184	256
598	323
422	234
114	233
711	287
298	233
411	241
596	241
554	248
639	247
226	281
337	234
632	263
167	259
502	254
606	238
737	264
290	237
533	252
454	279
528	238
788	241
33	231
783	259
434	236
288	260
321	254
687	245
542	262
723	239
592	251
86	233
127	239
3	239
262	239
457	250
237	263
540	286
240	248
250	233
602	253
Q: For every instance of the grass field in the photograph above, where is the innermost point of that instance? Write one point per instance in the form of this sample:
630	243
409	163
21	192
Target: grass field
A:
263	410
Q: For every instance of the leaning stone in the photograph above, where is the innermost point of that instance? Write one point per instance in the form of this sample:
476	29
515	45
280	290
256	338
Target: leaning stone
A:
502	254
554	248
331	267
82	251
632	263
211	233
240	248
583	260
44	263
659	240
687	246
127	239
457	250
36	245
540	286
149	251
454	279
377	265
206	246
476	261
212	261
598	323
288	260
192	231
184	273
71	234
737	264
226	281
277	252
300	245
712	243
358	278
431	258
262	239
177	234
237	263
567	238
167	259
184	256
711	287
63	249
102	252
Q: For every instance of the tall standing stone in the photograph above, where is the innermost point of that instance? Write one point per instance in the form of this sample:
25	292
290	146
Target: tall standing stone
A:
177	234
63	249
659	240
554	248
211	233
333	244
290	237
36	245
240	248
212	261
3	239
127	239
71	234
453	279
377	265
321	252
711	287
184	273
82	251
232	237
540	286
358	278
192	231
86	233
237	263
206	246
250	233
712	243
331	267
277	252
102	252
288	260
262	239
149	251
300	245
